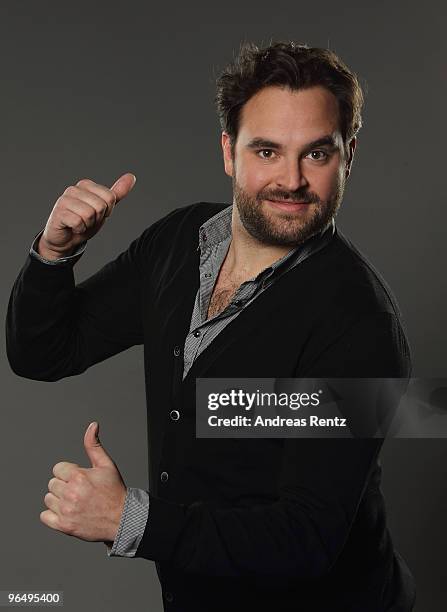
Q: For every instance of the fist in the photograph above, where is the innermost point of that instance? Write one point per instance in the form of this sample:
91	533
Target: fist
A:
86	503
79	213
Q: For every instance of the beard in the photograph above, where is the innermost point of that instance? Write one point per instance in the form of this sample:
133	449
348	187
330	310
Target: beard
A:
280	228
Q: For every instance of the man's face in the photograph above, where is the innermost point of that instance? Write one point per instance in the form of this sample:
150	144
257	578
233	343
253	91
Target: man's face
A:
278	157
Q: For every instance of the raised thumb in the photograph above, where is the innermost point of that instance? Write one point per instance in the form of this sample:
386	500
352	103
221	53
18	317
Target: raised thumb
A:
94	449
123	185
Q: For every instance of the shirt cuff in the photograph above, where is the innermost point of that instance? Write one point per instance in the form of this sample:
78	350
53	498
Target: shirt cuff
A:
60	260
132	524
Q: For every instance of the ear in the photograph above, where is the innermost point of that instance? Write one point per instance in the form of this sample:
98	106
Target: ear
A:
352	145
226	150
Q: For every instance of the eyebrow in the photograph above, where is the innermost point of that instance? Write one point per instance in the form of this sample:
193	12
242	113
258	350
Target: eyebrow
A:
259	142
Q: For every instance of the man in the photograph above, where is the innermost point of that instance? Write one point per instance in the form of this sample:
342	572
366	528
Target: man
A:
265	287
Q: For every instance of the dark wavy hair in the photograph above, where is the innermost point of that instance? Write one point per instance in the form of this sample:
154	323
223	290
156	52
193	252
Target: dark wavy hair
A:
296	66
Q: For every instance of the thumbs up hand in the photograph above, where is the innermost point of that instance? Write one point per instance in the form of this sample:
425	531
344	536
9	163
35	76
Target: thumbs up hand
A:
79	213
86	502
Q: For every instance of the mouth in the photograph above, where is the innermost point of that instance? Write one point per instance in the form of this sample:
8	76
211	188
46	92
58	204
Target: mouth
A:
288	205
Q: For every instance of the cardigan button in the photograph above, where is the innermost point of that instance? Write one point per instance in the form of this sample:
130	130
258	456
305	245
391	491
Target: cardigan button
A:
197	333
164	476
176	351
175	415
169	597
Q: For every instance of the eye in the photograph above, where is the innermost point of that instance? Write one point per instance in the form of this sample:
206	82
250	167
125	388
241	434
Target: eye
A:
264	151
326	155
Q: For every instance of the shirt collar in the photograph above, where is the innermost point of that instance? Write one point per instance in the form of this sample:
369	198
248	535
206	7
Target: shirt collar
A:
218	228
215	229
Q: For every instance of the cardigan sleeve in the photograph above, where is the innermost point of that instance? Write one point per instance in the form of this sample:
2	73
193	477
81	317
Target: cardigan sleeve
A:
321	485
56	328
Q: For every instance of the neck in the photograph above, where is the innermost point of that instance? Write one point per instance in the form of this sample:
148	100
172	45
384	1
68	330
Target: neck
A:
247	256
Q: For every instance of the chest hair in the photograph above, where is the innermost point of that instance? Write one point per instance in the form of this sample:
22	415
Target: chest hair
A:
221	297
224	290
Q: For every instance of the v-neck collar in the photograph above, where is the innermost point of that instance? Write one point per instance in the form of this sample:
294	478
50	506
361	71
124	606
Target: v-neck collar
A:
241	325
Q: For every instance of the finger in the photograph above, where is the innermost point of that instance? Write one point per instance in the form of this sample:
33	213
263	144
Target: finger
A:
88	214
50	519
67	218
117	192
57	487
52	502
101	206
102	191
64	470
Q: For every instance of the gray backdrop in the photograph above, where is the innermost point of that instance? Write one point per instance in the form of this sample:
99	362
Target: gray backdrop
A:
98	90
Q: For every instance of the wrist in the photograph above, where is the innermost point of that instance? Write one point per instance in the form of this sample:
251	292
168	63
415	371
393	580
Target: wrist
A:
50	254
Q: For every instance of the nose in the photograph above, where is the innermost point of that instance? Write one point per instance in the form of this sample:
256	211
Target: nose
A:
290	176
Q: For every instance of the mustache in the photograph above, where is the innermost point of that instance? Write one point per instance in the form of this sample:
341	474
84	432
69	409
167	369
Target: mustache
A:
279	196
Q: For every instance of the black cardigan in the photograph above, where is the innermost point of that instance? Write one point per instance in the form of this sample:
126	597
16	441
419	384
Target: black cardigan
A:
284	524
